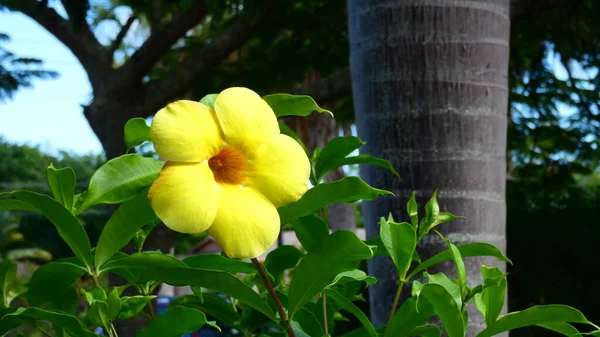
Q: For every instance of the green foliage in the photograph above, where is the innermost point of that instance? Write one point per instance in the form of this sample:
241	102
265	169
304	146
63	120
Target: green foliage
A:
293	105
136	132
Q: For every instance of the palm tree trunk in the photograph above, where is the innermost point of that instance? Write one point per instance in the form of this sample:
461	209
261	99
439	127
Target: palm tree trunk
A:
429	79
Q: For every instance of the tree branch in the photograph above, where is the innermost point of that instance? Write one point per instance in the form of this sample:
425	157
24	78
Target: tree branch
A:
119	39
161	40
82	43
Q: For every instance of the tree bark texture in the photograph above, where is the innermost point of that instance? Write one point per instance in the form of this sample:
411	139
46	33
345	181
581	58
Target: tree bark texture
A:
430	88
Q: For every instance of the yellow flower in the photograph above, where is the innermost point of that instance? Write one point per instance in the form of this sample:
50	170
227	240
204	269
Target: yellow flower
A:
227	171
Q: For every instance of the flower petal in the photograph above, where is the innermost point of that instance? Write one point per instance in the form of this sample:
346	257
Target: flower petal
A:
185	196
279	169
186	131
247	224
246	119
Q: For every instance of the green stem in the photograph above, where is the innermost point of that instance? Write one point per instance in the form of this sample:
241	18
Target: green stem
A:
265	278
396	300
325	314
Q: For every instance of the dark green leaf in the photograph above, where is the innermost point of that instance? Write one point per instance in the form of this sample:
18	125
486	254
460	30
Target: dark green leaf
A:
280	259
347	305
121	179
293	105
427	330
539	314
466	250
176	322
68	226
8	271
122	226
310	230
16	205
62	184
219	262
408	317
339	252
144	261
132	305
51	281
346	190
370	160
136	132
309	322
209	100
20	316
335	150
298	329
400	240
211	304
97	313
562	328
376	241
445	307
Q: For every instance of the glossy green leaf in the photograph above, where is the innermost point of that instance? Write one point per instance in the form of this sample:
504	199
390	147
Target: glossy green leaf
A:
562	328
16	205
335	150
62	184
466	250
410	315
310	230
209	100
218	281
136	132
353	275
8	271
280	259
68	226
132	305
413	210
452	288
539	314
121	179
220	263
369	160
176	322
319	268
293	105
432	210
400	240
211	304
427	330
22	315
347	305
445	307
491	300
286	130
51	281
143	261
460	266
122	226
346	190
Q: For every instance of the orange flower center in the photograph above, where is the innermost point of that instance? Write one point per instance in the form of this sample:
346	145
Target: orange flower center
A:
229	166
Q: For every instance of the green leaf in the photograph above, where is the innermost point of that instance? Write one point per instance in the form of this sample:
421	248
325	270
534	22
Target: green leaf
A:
400	240
211	304
132	305
22	315
297	328
492	297
286	130
280	259
335	150
353	275
122	226
209	100
432	210
8	271
97	313
413	210
293	105
466	250
562	328
460	266
346	190
143	260
445	307
16	205
452	288
218	281
136	132
121	179
310	230
427	330
409	316
62	184
97	294
539	314
68	226
220	263
176	322
339	252
51	281
113	301
380	248
370	160
347	305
